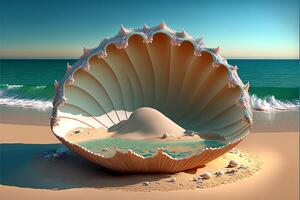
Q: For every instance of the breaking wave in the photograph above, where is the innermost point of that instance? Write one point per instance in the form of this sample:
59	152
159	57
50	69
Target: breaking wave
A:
30	103
40	97
31	96
270	104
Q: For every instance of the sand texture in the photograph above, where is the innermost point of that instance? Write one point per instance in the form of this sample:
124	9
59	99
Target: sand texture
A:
26	176
147	123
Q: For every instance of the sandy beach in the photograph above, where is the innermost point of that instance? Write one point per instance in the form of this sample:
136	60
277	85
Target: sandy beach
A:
149	100
278	178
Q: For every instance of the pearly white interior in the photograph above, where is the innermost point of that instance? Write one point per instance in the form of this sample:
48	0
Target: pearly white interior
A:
171	79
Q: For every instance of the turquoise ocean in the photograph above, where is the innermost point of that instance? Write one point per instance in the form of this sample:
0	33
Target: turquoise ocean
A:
274	84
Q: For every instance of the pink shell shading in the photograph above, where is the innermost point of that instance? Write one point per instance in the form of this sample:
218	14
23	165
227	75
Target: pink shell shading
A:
153	67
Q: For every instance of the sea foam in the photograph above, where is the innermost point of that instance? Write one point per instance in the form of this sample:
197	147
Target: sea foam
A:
10	95
30	103
271	104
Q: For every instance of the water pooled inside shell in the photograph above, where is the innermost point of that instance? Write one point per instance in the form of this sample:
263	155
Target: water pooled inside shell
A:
142	133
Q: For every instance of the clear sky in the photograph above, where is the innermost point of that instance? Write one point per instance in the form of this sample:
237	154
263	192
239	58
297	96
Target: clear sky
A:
60	28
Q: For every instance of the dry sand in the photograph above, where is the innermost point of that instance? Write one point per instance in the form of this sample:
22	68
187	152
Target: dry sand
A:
278	178
141	125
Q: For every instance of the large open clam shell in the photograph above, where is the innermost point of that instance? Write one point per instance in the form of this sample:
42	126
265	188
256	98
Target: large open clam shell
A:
158	68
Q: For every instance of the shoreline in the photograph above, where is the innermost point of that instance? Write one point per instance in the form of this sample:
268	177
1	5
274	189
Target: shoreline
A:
270	183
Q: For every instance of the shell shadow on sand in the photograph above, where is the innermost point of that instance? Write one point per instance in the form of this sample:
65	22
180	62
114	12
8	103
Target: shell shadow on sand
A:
26	167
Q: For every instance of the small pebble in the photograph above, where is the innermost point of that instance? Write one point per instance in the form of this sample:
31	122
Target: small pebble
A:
173	180
242	167
206	175
196	178
219	173
146	183
199	180
231	171
234	151
165	135
104	149
77	131
233	163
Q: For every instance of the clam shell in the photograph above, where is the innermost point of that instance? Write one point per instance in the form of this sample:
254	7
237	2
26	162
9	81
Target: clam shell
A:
160	68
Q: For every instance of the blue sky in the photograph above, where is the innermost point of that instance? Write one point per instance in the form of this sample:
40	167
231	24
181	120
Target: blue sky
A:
60	28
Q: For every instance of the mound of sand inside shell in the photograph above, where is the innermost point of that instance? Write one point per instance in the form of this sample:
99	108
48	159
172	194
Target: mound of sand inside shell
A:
143	124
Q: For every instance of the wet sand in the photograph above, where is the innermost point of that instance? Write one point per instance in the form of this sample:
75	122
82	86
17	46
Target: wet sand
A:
278	178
